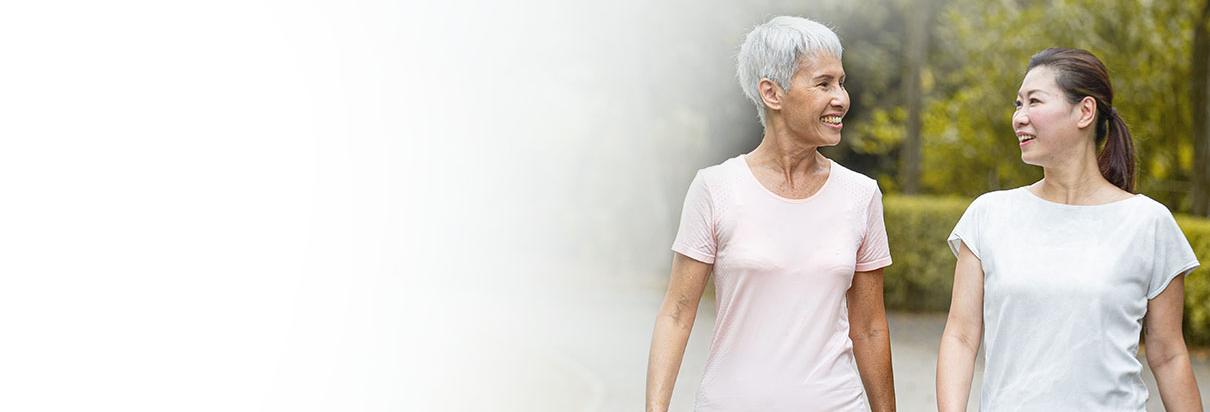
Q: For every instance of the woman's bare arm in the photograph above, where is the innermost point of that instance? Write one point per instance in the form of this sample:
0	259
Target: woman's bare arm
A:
962	336
871	339
1166	351
672	328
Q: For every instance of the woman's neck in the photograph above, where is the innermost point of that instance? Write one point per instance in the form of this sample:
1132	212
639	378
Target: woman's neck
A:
787	156
1077	182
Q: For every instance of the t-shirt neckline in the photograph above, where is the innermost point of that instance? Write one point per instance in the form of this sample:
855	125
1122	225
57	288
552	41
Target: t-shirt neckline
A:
1030	194
743	162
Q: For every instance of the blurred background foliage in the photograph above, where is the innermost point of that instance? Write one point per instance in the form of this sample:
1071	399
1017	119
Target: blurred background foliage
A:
933	84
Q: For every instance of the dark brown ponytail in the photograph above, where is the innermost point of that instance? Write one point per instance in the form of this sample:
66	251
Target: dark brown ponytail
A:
1116	158
1080	75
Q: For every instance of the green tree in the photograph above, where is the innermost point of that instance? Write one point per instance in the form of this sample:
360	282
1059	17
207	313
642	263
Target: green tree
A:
969	145
1200	101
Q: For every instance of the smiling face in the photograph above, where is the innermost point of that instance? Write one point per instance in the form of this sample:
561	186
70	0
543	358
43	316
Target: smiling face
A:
815	106
1048	127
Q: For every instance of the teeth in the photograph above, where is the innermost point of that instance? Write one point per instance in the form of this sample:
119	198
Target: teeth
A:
1025	137
831	119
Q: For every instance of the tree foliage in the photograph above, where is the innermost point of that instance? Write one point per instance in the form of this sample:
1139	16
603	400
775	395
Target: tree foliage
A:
977	56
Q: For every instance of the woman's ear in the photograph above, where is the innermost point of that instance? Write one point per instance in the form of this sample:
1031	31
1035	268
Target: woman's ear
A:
770	94
1088	112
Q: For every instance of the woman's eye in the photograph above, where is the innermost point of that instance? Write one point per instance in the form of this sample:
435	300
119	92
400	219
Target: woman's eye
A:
1032	101
1017	104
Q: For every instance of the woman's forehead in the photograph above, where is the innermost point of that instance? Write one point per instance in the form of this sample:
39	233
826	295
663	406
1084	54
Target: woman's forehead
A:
821	64
1040	78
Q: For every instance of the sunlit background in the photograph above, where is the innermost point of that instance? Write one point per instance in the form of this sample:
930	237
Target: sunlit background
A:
432	206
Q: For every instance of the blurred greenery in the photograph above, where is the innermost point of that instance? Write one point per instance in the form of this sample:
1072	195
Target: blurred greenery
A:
976	56
1197	285
922	276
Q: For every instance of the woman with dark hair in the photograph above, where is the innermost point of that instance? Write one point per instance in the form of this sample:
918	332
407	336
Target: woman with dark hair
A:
1061	276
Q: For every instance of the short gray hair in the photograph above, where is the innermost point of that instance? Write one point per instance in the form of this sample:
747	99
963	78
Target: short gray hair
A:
773	50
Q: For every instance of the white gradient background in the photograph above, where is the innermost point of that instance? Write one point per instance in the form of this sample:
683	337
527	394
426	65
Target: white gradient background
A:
350	205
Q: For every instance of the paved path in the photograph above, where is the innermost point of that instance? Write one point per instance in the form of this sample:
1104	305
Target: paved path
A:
613	350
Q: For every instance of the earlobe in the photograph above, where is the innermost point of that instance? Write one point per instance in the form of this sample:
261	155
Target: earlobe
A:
770	93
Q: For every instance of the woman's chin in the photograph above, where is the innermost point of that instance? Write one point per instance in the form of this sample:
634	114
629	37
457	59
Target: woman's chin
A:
825	141
1031	160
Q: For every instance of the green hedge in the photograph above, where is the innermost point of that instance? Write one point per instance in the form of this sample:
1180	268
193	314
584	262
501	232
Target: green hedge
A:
1197	285
923	273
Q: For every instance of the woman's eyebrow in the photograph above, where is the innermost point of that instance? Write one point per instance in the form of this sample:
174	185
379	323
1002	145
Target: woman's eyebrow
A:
1032	91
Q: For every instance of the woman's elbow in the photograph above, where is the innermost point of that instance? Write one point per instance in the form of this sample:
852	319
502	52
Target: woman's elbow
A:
960	338
1162	354
870	331
680	311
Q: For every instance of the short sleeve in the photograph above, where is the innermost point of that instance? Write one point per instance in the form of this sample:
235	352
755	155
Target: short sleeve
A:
695	237
874	252
1172	256
967	230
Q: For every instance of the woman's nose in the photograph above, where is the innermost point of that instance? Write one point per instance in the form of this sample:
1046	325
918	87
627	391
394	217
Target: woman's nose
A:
841	99
1020	118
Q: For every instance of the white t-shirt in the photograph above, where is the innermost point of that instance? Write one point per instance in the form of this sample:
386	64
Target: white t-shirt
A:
782	268
1065	289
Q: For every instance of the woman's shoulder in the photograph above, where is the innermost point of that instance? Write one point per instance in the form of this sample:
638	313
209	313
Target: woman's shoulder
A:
1000	196
1147	206
727	166
997	199
718	173
720	177
848	177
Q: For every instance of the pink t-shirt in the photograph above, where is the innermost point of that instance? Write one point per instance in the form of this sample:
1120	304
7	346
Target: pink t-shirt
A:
782	268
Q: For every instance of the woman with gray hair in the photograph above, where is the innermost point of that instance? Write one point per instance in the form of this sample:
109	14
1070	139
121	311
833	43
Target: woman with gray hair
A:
796	243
